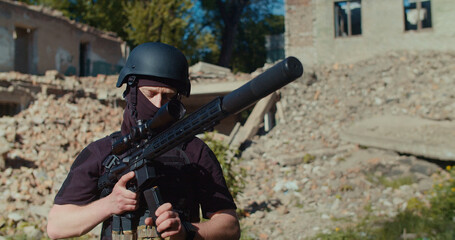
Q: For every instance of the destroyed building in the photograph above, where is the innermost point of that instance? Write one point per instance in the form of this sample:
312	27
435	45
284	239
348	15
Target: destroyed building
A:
330	31
34	39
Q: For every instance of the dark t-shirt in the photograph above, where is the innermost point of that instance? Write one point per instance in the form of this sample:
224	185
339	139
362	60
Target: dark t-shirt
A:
206	177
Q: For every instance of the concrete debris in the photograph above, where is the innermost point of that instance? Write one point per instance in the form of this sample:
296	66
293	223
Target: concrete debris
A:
99	87
4	149
203	72
207	70
410	135
44	140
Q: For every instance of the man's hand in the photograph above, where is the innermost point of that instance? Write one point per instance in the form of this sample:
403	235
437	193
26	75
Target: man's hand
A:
121	199
168	222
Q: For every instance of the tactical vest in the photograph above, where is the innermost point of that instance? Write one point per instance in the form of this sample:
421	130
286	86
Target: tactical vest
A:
176	186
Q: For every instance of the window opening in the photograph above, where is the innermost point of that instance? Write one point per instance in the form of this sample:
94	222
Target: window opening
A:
23	38
9	109
417	14
84	64
348	18
274	45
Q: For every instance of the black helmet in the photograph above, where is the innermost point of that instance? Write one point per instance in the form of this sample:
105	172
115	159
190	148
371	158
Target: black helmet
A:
163	62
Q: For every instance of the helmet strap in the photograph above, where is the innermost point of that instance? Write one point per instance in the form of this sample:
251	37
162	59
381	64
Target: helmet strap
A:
132	88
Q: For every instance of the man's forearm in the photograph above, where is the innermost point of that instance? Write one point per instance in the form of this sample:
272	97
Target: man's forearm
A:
222	225
72	220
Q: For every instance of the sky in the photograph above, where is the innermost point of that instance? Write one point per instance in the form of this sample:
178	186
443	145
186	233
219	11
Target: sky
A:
279	10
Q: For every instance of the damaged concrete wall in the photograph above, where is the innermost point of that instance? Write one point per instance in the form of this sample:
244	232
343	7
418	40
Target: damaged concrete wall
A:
310	31
18	91
34	39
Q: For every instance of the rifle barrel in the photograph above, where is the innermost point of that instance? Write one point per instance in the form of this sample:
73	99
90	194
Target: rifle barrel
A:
266	83
203	119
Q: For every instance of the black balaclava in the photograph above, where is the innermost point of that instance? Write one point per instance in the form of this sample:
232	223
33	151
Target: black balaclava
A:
144	109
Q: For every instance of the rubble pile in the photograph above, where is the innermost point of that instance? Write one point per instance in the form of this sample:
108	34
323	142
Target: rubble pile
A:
400	83
99	87
304	179
42	142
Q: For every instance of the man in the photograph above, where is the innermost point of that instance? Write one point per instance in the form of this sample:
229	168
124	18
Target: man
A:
154	74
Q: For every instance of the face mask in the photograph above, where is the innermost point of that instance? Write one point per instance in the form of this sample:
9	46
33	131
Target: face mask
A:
145	111
144	108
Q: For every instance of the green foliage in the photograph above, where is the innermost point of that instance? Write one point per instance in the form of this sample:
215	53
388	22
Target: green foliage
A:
443	203
391	182
254	21
201	45
157	21
346	188
233	173
435	220
274	24
308	158
396	183
245	234
108	15
13	230
250	52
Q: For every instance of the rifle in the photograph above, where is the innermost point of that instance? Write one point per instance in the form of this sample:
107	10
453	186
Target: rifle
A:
169	128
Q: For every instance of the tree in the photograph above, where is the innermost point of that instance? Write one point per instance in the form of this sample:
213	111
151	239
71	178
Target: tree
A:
103	14
243	17
230	12
157	21
175	22
250	52
226	15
